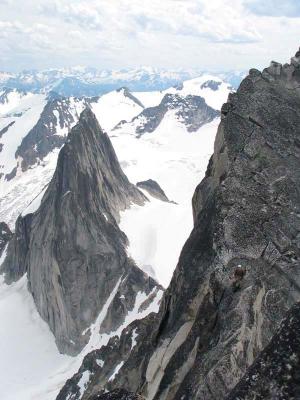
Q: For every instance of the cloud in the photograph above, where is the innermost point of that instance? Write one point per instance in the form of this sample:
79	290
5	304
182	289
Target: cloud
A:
120	33
275	8
189	18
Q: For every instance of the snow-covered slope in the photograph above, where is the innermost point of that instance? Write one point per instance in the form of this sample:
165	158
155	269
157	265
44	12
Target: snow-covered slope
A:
24	113
116	106
31	367
212	88
176	159
10	99
32	361
20	192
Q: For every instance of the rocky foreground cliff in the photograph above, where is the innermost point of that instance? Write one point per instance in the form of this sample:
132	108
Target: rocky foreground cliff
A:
71	247
238	273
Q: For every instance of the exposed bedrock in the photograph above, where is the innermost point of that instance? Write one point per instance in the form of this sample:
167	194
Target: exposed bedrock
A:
275	374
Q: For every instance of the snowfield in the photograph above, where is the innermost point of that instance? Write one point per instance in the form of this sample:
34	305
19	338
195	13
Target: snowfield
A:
31	367
214	98
177	160
26	186
196	86
114	107
27	347
12	100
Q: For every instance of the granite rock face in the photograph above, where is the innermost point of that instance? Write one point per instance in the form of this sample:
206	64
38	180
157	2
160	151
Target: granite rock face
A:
275	374
238	274
72	248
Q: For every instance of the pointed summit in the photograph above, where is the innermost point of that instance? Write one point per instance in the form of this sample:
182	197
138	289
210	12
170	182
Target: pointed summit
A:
93	171
72	248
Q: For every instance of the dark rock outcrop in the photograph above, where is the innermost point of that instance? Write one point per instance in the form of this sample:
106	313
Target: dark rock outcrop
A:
213	85
153	188
118	394
6	128
131	352
72	248
127	93
275	374
238	274
191	110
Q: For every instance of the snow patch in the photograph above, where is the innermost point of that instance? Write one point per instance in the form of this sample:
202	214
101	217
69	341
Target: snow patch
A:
113	107
116	370
100	363
3	255
133	338
84	380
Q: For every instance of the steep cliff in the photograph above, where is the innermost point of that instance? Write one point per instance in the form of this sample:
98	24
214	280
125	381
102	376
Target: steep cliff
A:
238	273
72	249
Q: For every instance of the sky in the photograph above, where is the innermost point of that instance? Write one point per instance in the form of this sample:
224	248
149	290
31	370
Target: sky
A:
208	34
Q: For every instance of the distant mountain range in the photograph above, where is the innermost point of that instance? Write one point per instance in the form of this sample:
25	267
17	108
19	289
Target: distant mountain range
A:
86	81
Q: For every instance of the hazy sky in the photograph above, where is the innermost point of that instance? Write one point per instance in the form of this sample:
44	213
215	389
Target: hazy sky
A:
207	34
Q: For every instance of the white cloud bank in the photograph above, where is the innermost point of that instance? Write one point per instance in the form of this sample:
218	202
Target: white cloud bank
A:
213	34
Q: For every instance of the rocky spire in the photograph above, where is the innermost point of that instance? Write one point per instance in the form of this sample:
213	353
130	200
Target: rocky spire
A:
72	248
